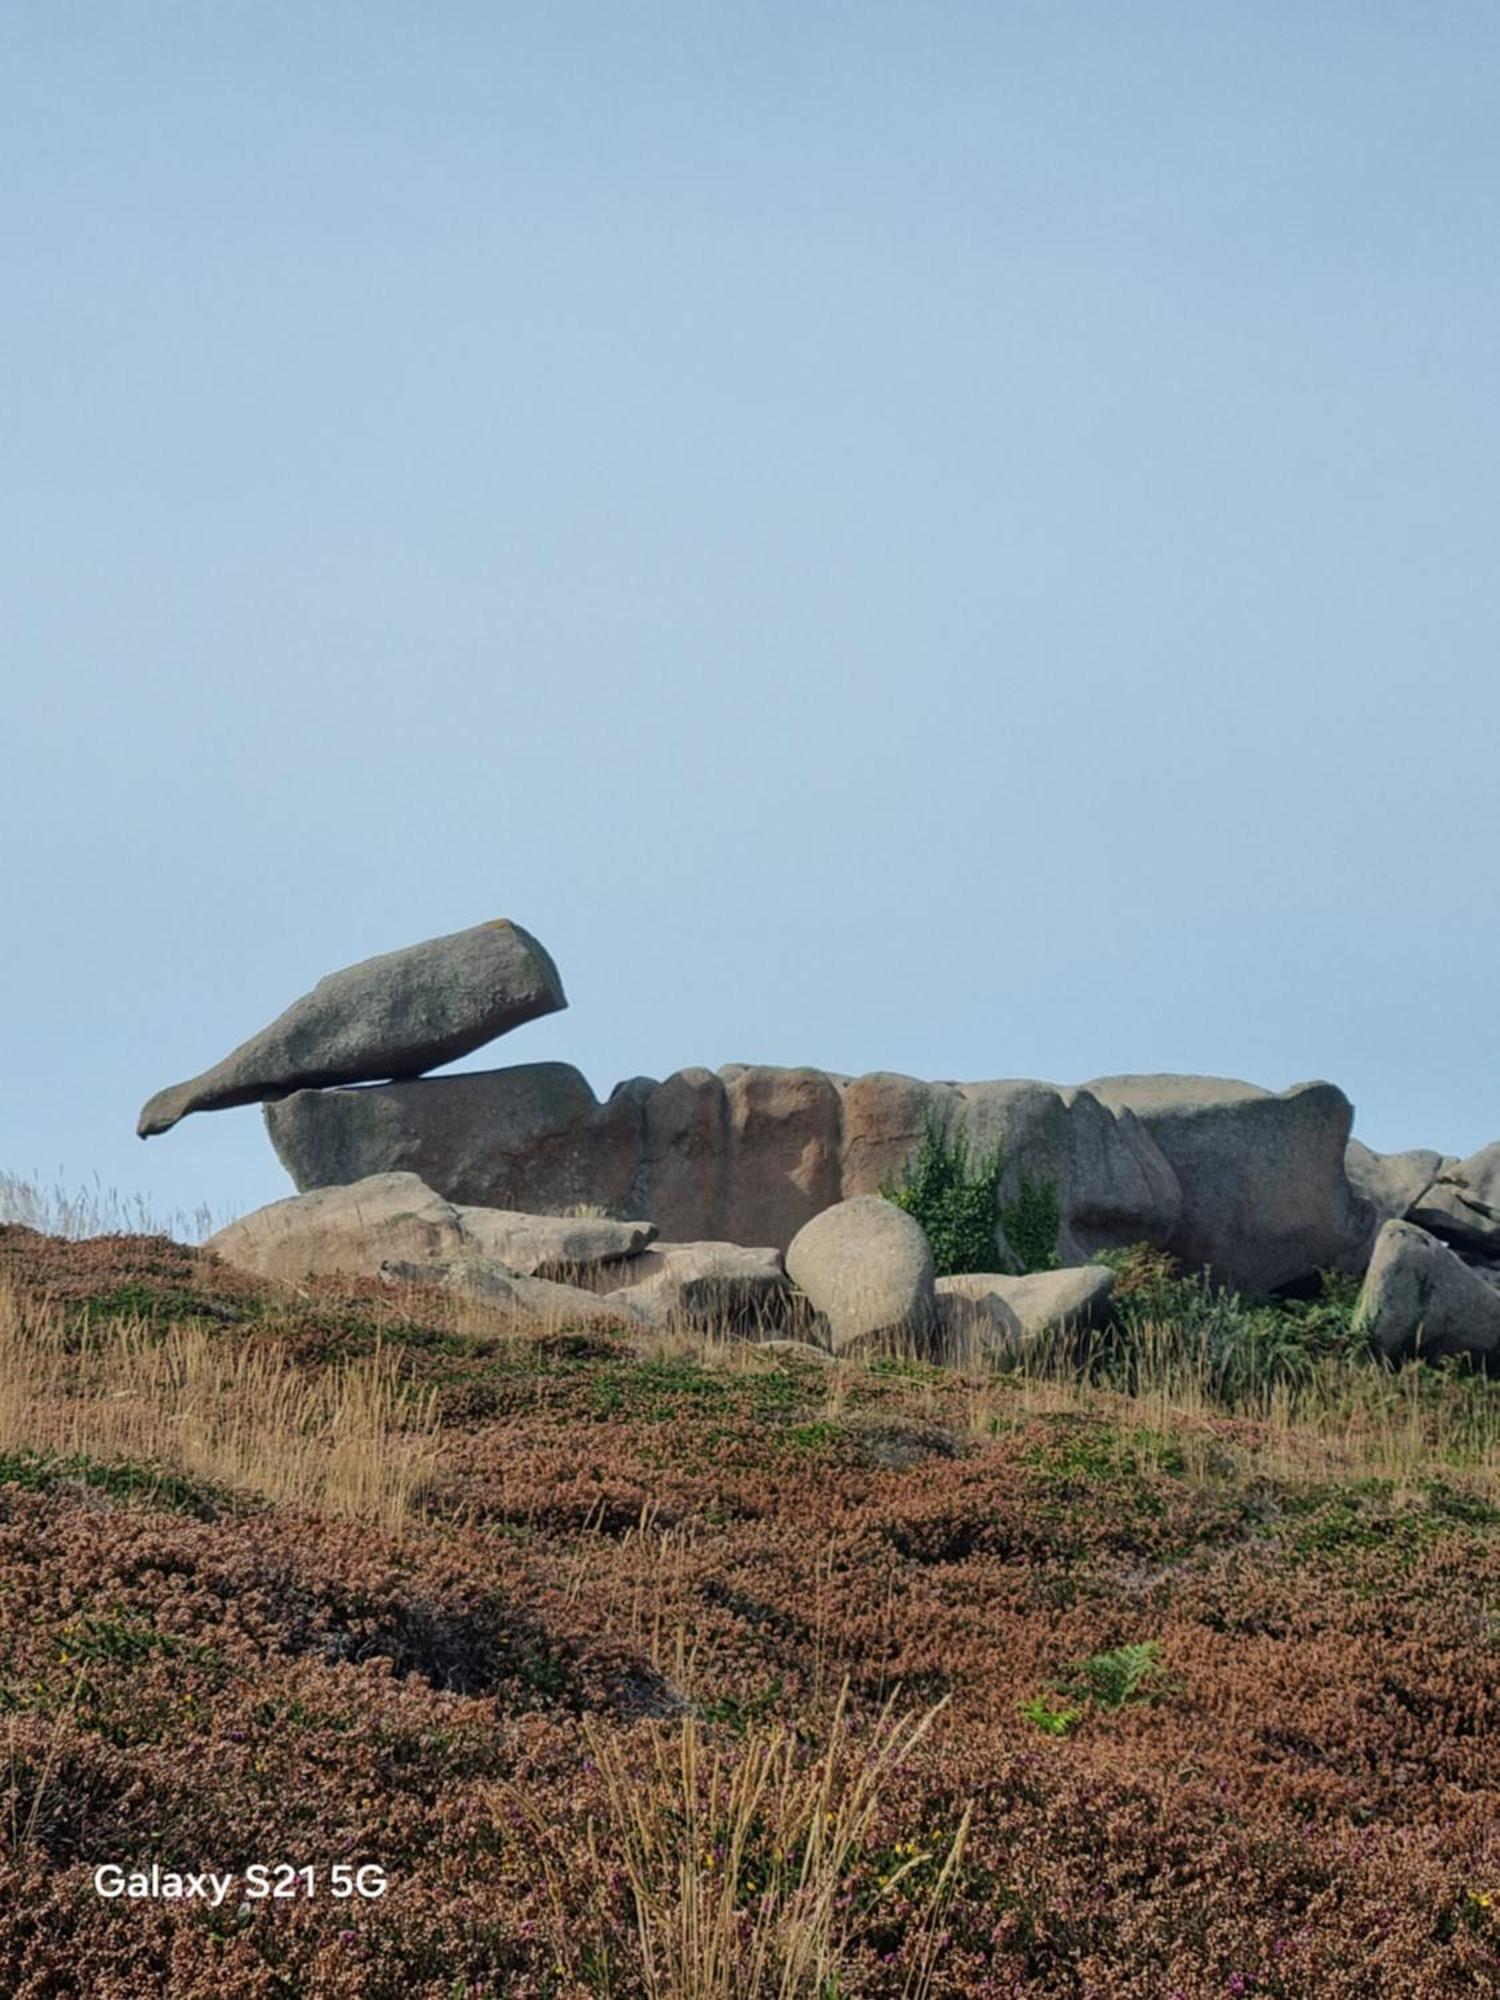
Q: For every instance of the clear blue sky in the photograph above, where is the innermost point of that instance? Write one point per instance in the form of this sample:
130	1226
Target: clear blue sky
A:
947	537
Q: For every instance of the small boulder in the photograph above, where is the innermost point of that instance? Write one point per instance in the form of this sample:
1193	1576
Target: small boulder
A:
866	1267
1419	1297
392	1016
1001	1315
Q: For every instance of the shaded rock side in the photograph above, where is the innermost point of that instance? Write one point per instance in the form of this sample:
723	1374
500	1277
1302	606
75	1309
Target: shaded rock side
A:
866	1268
533	1137
1420	1297
537	1304
1266	1198
713	1287
393	1016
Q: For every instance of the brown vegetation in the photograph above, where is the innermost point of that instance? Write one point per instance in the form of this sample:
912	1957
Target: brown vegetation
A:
692	1672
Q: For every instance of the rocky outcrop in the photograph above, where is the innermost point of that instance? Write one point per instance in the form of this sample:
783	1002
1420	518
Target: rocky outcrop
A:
1419	1297
866	1268
747	1154
999	1319
1392	1183
1462	1204
394	1016
533	1138
1113	1184
1266	1199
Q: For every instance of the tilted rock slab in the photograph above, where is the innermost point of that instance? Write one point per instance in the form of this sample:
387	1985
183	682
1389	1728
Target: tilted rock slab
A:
1392	1183
1266	1199
1419	1297
393	1016
349	1231
1463	1203
397	1218
747	1154
553	1246
534	1303
866	1268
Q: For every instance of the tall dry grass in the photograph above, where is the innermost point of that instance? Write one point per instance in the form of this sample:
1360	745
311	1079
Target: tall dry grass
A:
738	1860
95	1210
349	1439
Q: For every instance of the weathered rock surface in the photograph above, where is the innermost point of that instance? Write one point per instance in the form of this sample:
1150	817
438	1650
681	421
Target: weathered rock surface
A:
1463	1203
1392	1183
552	1246
866	1267
716	1287
533	1137
350	1230
397	1218
748	1154
392	1016
1001	1316
1113	1184
532	1302
1266	1199
1419	1297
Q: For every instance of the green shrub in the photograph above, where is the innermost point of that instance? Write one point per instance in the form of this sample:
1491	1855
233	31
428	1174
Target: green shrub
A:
1109	1680
1033	1224
955	1197
1235	1348
955	1194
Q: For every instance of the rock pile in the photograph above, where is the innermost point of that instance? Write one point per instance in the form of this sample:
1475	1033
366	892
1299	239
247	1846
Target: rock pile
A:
765	1181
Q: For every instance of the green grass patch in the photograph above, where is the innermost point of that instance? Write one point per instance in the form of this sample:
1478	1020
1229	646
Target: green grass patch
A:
147	1485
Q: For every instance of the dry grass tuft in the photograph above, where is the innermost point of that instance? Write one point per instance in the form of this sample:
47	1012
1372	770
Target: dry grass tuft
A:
737	1862
348	1439
95	1210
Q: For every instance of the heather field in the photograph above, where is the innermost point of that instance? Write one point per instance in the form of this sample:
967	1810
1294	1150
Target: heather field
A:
675	1668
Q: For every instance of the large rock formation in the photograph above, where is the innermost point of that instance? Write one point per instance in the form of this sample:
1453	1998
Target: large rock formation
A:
1419	1297
1114	1186
1266	1200
534	1138
748	1154
394	1016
